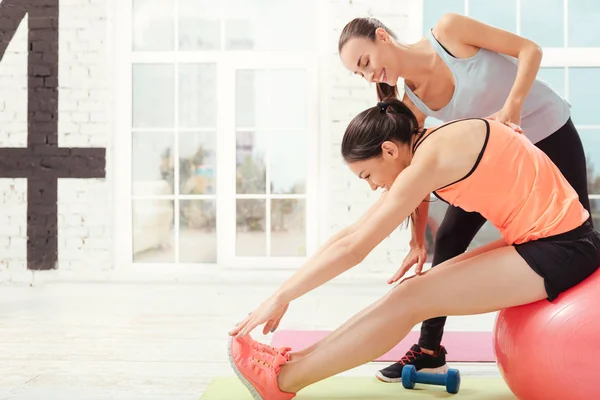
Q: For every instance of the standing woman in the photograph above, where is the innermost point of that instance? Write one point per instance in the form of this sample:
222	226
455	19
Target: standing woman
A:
462	68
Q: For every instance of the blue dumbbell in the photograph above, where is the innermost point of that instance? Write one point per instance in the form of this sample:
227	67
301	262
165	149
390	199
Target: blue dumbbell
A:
450	379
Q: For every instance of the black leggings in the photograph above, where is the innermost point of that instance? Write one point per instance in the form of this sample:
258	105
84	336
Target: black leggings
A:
459	227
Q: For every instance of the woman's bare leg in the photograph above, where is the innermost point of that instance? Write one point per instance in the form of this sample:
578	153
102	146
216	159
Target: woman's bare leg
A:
485	283
341	330
297	355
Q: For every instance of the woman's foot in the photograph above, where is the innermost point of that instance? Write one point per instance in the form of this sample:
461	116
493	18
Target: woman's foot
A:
265	348
257	369
423	362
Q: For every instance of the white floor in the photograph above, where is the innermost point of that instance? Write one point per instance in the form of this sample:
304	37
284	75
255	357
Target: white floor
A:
149	340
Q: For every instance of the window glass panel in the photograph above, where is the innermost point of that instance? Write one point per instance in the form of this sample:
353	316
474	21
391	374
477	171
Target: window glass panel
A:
251	237
251	162
591	145
584	86
152	163
501	14
197	163
288	162
153	96
199	25
288	98
197	95
434	9
152	223
554	77
153	25
550	33
595	205
198	231
288	227
253	99
269	25
584	16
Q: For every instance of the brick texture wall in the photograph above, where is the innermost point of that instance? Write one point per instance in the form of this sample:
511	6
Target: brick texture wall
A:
347	95
85	119
83	221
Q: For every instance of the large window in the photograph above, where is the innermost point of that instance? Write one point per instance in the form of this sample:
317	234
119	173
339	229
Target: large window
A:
568	32
222	98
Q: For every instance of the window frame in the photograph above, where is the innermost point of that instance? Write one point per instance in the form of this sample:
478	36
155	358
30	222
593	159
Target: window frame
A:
227	63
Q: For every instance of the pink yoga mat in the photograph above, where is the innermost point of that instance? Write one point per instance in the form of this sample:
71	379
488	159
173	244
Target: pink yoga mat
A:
461	346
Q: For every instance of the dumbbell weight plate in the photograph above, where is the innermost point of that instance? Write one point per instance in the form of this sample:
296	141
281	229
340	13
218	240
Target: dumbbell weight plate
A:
453	381
409	376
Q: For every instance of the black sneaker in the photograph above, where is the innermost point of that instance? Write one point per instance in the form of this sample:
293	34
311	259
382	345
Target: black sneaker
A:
435	364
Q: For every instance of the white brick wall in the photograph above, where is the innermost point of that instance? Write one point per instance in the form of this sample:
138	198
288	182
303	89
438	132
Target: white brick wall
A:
84	205
85	211
347	95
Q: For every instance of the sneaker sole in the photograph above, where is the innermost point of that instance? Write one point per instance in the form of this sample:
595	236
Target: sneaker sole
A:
239	374
439	370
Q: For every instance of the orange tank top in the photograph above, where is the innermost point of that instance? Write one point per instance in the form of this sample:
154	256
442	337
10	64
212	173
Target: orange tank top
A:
516	187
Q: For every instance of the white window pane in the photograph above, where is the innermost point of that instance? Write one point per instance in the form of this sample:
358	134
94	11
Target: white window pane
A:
288	228
197	231
251	162
251	236
584	85
197	95
269	24
153	25
153	95
199	25
153	236
434	9
595	205
252	99
591	145
288	162
550	33
152	163
197	163
501	14
288	98
554	77
584	17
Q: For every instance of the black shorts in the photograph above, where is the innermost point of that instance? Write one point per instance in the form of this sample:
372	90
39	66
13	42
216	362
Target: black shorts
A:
563	260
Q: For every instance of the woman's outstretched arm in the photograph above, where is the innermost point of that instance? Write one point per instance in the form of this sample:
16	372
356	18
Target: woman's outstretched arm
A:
405	195
349	229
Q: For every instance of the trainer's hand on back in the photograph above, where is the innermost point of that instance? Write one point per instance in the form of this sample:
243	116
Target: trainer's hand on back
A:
269	313
417	255
509	116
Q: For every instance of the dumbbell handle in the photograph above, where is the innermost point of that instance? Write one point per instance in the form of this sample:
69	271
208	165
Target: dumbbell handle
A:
431	379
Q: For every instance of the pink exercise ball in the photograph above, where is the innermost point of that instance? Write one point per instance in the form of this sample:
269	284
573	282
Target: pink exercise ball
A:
550	350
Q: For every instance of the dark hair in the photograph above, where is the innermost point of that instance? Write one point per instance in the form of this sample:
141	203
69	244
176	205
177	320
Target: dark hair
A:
389	120
365	28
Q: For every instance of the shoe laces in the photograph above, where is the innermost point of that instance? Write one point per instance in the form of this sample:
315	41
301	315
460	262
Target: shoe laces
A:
264	359
411	355
259	346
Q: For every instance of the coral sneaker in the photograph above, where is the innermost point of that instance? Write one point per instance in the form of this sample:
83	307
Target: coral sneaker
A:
256	369
265	348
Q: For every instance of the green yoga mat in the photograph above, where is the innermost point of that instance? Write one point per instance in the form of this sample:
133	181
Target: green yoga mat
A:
350	388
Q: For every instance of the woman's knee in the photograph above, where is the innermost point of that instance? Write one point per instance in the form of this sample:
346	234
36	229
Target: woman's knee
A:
410	298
